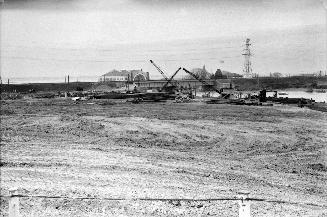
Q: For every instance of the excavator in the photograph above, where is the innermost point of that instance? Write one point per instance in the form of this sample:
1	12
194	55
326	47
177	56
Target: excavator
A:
166	92
203	81
221	99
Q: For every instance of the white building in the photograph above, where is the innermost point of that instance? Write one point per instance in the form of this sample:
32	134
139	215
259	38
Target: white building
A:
124	76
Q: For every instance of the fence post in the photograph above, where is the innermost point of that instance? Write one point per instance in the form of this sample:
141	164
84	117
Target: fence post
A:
13	203
244	210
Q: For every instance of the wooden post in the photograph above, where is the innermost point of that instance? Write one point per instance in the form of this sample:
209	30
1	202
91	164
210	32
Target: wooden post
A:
244	204
13	203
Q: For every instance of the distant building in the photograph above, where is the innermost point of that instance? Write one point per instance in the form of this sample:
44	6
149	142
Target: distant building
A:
276	75
308	75
124	76
231	74
200	72
322	84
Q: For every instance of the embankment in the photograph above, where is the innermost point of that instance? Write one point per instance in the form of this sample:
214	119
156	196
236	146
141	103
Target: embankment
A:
278	83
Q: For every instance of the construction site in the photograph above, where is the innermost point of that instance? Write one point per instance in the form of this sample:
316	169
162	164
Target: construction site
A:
128	145
152	156
163	108
199	85
167	128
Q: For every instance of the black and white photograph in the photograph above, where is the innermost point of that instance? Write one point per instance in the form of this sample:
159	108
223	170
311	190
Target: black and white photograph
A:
163	108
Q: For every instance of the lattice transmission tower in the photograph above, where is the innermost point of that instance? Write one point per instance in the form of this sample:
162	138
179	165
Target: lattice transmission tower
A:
247	70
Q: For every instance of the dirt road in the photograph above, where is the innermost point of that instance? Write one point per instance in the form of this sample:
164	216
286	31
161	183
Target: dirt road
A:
162	150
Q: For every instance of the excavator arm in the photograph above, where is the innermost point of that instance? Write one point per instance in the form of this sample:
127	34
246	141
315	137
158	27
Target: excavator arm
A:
164	75
171	78
201	80
159	70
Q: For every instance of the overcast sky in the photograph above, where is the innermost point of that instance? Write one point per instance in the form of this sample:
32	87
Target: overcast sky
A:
52	38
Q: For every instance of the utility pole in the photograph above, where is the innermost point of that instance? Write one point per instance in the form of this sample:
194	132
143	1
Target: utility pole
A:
247	70
67	82
127	83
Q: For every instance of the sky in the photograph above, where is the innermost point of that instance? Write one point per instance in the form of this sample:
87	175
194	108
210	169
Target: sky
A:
49	39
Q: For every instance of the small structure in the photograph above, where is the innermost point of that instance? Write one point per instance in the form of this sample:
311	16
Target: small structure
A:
321	84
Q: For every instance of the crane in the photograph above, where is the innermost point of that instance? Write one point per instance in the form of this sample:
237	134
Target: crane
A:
164	75
171	78
201	80
161	72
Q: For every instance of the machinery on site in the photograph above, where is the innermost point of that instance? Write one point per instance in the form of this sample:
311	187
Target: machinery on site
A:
170	79
203	81
148	97
166	92
166	86
225	97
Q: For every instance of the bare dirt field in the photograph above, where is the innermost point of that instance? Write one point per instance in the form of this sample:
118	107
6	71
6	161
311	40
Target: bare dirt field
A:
114	149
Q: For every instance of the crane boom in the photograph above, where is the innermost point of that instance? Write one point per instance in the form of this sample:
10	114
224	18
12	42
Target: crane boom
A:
171	78
161	72
201	80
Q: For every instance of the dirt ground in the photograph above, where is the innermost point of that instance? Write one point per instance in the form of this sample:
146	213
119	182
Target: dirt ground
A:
114	149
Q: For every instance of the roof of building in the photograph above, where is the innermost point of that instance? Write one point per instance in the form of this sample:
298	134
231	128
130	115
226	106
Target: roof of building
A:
200	70
116	73
122	72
